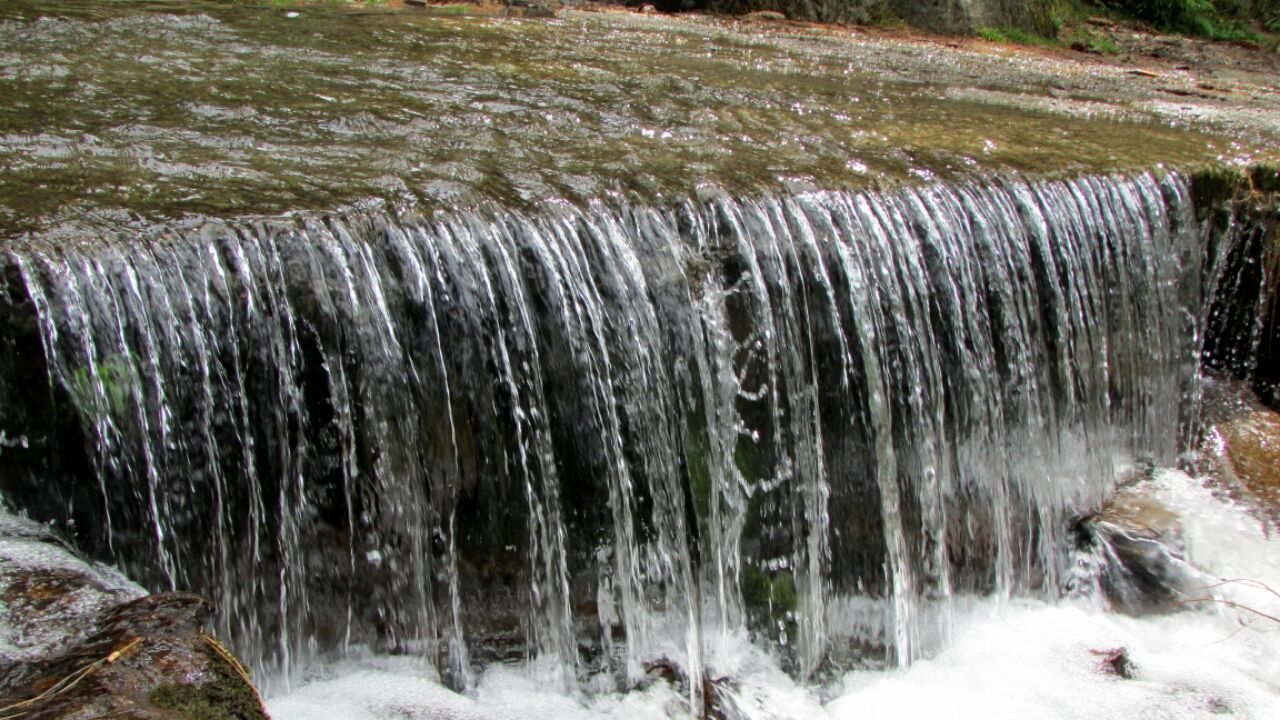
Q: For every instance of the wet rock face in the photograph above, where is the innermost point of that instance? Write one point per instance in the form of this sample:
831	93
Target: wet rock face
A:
79	640
1240	217
1241	449
48	595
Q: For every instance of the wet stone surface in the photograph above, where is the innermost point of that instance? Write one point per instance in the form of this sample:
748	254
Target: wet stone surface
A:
48	595
78	640
1241	449
1142	565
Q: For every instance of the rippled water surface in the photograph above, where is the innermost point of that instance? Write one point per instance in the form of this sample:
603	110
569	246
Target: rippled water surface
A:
117	113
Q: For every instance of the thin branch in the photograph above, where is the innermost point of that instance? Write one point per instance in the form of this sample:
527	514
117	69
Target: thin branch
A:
1232	604
1249	582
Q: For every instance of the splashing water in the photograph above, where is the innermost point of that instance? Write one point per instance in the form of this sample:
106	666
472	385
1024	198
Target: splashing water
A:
1018	658
601	438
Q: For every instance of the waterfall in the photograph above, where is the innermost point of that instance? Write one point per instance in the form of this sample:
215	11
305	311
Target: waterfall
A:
602	435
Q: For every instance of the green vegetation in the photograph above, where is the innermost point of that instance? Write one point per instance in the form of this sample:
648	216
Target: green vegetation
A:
883	15
1015	36
776	592
1078	37
1230	20
1064	22
117	381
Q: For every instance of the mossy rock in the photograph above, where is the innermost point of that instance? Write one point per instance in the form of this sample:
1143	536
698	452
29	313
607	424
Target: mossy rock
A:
67	629
1214	191
775	592
224	695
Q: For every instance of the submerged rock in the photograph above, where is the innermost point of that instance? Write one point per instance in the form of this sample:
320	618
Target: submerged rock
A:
79	640
1115	661
716	694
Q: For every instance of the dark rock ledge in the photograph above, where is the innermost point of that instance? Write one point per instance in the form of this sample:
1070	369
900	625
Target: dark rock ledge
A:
79	640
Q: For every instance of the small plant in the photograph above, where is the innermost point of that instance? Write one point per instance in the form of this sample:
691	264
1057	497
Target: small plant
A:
1086	40
991	34
114	374
1015	36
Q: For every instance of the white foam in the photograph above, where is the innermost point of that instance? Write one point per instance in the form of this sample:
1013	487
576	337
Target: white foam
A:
383	688
1036	660
1020	659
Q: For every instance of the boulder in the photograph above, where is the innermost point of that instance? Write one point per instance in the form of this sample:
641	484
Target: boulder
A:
78	640
48	594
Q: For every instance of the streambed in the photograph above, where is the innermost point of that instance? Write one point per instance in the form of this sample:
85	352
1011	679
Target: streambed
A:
119	115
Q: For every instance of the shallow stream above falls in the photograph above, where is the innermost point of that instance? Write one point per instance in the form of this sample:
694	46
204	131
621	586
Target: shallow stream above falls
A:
116	115
556	362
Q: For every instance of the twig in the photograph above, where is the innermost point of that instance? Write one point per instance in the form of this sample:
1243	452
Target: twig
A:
1256	584
65	683
234	662
1233	604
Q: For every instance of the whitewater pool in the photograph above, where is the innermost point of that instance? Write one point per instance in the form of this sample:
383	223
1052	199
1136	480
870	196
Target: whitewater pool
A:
1006	658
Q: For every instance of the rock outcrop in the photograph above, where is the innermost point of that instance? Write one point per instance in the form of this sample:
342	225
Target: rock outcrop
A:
78	640
1241	448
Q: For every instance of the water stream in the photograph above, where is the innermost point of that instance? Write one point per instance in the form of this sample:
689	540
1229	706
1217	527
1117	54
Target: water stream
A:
540	360
612	435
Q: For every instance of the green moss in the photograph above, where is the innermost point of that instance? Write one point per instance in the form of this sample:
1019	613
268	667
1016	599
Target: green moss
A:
776	593
1213	190
782	592
1265	178
1015	36
225	697
697	460
116	377
755	588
